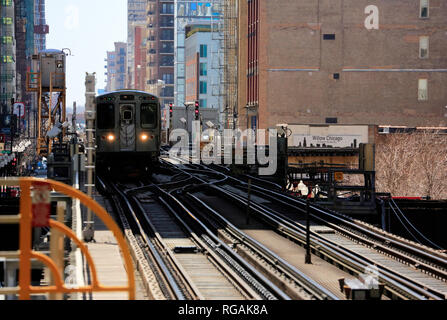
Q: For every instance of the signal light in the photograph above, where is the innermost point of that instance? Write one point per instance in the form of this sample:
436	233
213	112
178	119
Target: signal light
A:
197	109
171	111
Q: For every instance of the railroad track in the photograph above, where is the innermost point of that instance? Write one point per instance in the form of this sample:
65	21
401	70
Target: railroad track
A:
188	260
408	271
292	281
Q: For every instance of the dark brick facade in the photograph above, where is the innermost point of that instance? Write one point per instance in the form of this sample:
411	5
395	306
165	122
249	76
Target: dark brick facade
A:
360	77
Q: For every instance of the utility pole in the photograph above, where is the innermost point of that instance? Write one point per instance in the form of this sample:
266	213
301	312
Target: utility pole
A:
90	115
11	125
308	259
74	137
28	122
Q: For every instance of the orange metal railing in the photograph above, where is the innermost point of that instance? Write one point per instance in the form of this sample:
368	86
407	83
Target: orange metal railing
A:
26	254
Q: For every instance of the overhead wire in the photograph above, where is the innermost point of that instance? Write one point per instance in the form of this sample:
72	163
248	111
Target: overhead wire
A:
413	227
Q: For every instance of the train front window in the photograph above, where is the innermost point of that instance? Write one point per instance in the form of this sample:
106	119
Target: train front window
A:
148	115
127	115
106	116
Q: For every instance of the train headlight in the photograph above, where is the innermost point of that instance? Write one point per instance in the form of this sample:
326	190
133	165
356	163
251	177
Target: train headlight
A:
110	138
144	137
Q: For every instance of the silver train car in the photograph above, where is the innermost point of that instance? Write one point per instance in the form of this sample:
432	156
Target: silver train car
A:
128	129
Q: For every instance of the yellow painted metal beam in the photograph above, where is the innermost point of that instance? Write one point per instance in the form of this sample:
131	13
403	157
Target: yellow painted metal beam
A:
26	254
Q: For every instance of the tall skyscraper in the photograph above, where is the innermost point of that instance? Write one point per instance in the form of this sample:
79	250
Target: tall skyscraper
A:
24	34
7	55
41	28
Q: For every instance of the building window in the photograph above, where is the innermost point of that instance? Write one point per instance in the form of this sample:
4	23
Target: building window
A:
7	20
203	71
167	47
254	122
167	34
203	88
8	59
167	61
424	13
329	36
203	103
166	21
423	90
6	40
168	78
423	47
167	91
167	8
203	51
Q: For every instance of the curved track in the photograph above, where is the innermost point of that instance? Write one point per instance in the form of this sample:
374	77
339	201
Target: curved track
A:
189	261
409	271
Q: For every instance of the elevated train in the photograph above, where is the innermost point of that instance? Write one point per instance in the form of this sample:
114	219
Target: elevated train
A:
128	130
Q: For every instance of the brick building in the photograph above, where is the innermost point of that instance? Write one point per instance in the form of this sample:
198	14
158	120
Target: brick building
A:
139	59
342	61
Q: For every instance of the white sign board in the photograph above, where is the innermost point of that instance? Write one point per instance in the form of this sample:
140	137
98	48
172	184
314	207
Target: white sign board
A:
335	136
19	109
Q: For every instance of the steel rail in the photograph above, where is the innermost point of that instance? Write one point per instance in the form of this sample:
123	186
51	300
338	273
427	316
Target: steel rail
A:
344	255
305	282
364	239
415	286
161	243
430	258
262	281
242	286
392	276
217	258
348	221
169	279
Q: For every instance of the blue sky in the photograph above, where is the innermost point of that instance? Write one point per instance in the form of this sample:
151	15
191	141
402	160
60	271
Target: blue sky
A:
89	28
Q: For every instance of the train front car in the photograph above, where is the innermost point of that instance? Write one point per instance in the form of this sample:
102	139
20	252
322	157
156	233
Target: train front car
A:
127	131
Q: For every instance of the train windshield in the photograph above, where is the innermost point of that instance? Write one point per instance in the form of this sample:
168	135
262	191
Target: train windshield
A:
106	116
148	115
